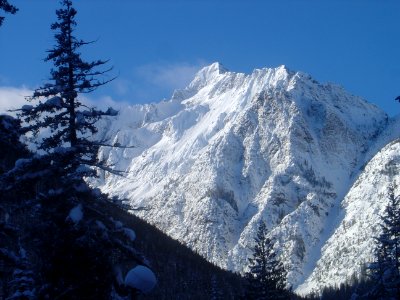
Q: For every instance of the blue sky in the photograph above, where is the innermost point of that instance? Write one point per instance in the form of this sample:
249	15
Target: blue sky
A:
157	46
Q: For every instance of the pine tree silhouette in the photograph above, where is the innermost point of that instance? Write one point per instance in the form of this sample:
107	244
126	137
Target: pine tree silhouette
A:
266	277
8	8
57	108
385	271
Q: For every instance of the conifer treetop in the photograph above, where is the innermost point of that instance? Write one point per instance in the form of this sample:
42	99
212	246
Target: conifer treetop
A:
266	276
385	270
7	8
56	106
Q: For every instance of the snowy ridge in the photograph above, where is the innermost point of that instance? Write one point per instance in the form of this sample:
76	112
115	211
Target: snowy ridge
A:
351	246
233	149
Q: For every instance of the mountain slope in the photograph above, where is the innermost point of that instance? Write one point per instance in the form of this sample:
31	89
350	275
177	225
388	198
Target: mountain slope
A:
234	149
351	246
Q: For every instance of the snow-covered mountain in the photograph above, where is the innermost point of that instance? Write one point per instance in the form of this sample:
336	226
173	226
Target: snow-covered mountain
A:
351	246
234	149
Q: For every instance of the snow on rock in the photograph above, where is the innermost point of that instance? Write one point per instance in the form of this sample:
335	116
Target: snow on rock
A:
22	162
233	149
27	107
130	234
54	102
101	225
8	122
117	224
351	246
141	278
76	214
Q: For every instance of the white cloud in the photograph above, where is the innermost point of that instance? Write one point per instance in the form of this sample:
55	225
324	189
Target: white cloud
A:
156	81
171	76
150	82
13	98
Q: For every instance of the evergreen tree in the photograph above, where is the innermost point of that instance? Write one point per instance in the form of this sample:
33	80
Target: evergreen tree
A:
385	271
266	276
8	8
216	293
57	105
76	256
10	147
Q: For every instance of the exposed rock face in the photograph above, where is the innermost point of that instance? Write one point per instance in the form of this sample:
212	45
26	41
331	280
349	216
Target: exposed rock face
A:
231	150
351	246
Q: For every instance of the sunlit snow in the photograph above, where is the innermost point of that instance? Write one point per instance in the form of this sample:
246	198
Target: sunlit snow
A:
234	149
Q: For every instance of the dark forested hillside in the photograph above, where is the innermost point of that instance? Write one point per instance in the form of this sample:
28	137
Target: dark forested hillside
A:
47	252
181	273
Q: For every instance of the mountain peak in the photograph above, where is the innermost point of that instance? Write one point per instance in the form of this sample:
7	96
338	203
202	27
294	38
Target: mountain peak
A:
207	74
214	68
